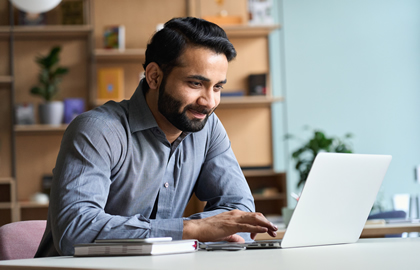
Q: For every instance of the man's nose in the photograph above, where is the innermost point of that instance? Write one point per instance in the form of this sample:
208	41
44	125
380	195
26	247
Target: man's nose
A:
207	99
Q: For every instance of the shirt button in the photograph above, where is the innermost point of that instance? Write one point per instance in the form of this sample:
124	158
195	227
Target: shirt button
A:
166	185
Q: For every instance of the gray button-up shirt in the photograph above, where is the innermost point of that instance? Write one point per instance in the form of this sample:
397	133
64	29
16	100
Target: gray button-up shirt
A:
115	163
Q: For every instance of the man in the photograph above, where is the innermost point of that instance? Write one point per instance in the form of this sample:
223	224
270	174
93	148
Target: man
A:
128	169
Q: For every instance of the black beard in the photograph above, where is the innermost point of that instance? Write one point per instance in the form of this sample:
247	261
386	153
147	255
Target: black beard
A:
169	107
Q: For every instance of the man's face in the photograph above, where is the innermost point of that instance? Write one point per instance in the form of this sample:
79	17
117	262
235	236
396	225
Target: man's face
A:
191	92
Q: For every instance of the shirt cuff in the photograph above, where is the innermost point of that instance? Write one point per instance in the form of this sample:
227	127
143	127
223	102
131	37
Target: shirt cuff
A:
167	227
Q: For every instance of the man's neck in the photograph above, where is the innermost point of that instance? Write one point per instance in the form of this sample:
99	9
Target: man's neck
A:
171	132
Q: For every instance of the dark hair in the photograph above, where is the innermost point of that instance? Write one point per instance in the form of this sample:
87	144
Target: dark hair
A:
169	43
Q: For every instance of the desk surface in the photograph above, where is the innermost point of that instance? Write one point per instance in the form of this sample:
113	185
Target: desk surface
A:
369	231
381	253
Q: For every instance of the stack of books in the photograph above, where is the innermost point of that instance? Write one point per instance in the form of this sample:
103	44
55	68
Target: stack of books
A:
147	246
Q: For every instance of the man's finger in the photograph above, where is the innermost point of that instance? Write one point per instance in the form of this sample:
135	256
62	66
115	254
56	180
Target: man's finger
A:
257	219
250	228
235	238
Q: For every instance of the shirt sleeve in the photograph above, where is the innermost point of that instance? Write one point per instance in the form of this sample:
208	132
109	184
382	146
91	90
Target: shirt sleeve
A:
89	151
221	182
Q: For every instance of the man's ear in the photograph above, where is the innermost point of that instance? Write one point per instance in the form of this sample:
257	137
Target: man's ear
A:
154	75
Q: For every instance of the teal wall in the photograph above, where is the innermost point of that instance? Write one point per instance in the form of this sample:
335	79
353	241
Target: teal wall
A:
350	66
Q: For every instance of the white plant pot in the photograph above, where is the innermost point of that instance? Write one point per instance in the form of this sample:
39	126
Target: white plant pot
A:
51	113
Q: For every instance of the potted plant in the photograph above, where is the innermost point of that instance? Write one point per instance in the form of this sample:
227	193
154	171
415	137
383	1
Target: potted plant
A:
319	142
50	112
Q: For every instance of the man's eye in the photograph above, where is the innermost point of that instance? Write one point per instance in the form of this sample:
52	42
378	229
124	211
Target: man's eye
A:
218	87
195	84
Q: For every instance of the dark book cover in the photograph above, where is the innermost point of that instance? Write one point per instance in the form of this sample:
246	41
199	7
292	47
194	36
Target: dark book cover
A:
257	84
72	12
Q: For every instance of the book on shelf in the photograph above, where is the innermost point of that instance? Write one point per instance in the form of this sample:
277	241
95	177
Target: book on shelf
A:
72	12
239	93
72	108
110	83
122	247
114	37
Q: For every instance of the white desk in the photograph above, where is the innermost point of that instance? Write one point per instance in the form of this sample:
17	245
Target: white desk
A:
381	253
369	231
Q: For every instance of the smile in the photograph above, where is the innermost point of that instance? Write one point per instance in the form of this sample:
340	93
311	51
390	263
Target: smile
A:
198	114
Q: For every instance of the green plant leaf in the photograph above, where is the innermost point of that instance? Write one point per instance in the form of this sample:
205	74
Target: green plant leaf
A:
289	136
319	142
60	71
38	91
50	74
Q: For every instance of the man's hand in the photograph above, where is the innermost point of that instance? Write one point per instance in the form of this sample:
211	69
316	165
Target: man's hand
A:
224	226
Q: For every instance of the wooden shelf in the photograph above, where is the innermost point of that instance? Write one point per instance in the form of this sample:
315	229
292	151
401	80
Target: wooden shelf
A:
47	31
115	54
6	205
29	204
249	101
4	31
249	30
259	197
6	180
39	128
6	79
262	172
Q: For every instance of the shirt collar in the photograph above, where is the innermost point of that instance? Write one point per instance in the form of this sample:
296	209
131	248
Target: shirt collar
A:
139	115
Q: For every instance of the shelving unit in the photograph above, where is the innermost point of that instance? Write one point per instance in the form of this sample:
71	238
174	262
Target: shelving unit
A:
8	209
6	79
249	101
52	30
248	31
115	54
260	180
247	119
39	128
8	193
34	153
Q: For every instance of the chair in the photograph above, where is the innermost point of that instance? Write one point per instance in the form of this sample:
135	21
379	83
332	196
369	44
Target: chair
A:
20	240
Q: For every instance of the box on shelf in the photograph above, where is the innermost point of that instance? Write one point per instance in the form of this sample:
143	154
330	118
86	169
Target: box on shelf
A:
72	108
238	93
72	12
110	83
257	84
24	114
260	12
114	37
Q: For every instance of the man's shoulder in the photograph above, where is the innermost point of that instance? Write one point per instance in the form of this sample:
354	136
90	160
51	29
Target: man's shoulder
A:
212	132
108	111
111	114
214	124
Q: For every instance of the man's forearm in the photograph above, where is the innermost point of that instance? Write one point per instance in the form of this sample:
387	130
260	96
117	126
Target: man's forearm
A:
90	226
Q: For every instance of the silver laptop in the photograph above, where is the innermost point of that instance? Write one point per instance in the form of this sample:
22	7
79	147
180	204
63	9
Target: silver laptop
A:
335	202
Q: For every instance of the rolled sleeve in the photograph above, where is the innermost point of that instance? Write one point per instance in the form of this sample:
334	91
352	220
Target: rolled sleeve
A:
167	227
